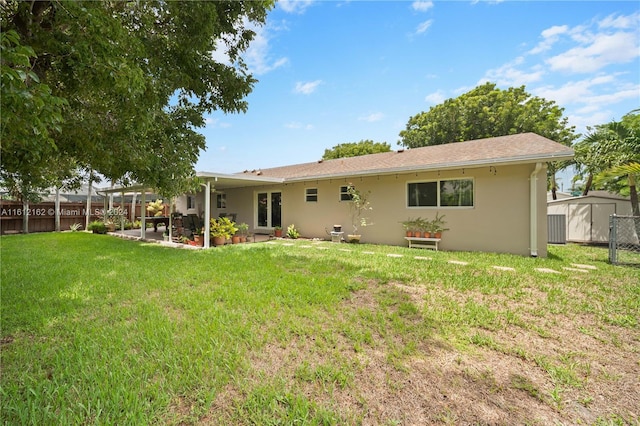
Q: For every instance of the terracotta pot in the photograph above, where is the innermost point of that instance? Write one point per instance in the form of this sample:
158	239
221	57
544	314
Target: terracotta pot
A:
409	234
198	240
277	233
437	235
417	234
218	241
235	239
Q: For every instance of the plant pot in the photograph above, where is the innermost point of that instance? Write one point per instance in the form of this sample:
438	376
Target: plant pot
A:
243	238
219	241
437	235
355	239
198	240
410	234
235	239
277	233
111	227
417	234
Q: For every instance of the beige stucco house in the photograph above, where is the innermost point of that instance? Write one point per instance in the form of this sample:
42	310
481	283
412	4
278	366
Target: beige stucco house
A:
491	191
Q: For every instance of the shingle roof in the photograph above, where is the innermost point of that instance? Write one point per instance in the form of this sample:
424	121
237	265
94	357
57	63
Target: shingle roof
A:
512	149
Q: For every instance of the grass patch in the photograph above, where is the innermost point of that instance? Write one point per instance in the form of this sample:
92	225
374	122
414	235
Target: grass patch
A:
106	331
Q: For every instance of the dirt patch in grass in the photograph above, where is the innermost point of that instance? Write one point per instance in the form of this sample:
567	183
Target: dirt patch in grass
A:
576	372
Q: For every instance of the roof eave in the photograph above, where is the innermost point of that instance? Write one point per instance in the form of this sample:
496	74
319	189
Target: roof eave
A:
567	155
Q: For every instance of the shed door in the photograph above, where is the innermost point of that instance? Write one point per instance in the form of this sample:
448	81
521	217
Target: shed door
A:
579	222
600	221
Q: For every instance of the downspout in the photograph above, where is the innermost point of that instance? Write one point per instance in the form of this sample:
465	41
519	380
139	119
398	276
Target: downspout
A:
533	213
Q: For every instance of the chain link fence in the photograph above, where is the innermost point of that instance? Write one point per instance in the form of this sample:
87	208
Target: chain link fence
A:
624	246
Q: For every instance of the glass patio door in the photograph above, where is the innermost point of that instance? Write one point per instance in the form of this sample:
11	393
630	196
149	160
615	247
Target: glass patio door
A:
269	209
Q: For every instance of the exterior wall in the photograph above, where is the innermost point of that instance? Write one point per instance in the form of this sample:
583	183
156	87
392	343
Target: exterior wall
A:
498	221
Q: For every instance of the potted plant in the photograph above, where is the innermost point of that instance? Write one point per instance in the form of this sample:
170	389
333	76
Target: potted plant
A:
438	226
358	205
409	226
198	237
222	229
243	228
277	231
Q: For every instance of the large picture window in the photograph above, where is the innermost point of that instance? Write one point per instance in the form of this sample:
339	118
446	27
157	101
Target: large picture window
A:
441	193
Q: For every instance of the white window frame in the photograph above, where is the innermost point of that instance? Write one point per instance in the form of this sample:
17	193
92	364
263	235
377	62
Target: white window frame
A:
191	202
343	193
308	194
438	181
221	200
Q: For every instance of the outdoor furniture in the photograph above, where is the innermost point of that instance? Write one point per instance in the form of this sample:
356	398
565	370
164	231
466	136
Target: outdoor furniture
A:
157	220
418	242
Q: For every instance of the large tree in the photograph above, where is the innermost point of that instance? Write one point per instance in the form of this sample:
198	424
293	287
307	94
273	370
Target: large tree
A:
354	149
121	86
487	111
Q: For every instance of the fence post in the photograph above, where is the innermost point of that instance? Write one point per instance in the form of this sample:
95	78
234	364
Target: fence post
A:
612	238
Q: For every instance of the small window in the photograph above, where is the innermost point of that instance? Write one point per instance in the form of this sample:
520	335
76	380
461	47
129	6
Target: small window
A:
311	195
344	193
191	202
221	200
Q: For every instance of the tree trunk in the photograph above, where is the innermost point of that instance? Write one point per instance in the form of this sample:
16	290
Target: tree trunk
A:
587	186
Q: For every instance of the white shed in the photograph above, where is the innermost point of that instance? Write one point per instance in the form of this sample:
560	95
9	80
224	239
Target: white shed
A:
587	217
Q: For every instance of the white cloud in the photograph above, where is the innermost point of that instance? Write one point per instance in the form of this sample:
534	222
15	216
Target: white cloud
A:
435	98
307	88
295	6
424	26
258	57
510	75
298	125
421	5
376	116
549	37
603	50
621	22
215	123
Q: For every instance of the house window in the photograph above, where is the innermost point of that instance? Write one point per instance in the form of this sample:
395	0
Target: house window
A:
191	202
221	200
344	193
441	193
311	195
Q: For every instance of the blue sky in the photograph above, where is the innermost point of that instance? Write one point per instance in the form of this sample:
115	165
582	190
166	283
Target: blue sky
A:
342	71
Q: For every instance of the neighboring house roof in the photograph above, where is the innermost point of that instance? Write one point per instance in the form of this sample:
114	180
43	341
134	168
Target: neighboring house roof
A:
512	149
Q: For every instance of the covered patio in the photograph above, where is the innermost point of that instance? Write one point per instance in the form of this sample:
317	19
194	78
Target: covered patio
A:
211	182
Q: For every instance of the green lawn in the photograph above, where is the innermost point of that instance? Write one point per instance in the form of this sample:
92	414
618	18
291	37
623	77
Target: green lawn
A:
99	330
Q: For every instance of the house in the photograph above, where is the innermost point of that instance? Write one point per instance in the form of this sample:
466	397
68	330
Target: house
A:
492	192
586	218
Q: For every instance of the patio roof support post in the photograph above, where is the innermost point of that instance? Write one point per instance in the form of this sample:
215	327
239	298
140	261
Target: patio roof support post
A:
170	219
207	214
143	214
533	213
57	212
122	211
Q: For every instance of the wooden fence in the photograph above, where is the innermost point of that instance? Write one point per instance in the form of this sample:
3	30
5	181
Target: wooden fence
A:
42	216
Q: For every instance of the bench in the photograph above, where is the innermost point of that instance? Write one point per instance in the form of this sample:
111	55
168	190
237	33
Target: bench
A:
418	242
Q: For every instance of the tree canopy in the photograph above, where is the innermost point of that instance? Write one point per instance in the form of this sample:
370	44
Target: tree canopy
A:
354	149
609	155
118	88
487	111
